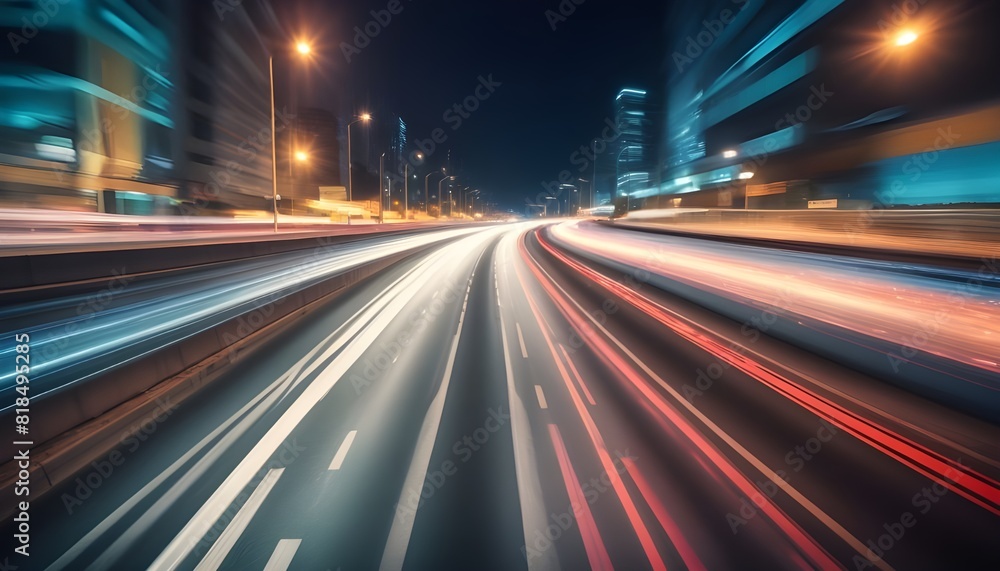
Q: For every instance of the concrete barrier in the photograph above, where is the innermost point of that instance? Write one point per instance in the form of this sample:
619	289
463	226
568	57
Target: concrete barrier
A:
39	270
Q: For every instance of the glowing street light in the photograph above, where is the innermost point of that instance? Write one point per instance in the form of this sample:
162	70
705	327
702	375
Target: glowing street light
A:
364	117
465	199
301	156
303	48
906	37
427	190
441	191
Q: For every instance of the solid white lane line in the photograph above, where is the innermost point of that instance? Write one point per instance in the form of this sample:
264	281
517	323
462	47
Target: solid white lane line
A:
282	556
338	459
402	525
221	548
520	339
541	397
529	485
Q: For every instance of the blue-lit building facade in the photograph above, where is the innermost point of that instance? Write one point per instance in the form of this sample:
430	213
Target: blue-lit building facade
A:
135	106
635	156
781	104
398	144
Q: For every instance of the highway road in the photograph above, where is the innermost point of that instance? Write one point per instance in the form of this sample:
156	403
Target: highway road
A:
540	397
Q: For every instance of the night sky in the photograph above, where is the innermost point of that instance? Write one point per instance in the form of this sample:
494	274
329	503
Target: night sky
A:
558	86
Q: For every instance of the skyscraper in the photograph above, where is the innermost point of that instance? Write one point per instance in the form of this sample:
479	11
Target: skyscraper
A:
398	145
633	162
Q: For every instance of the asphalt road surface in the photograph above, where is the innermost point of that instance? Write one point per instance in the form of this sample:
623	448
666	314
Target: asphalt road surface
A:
502	400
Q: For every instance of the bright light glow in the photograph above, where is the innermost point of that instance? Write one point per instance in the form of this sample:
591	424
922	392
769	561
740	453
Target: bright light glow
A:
746	175
906	38
303	48
629	90
301	156
366	117
729	153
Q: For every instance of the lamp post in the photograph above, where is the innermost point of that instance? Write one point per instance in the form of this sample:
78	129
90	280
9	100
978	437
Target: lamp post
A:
593	179
618	161
441	191
427	191
465	200
580	203
628	173
365	117
548	198
274	147
381	181
304	49
473	194
406	186
570	189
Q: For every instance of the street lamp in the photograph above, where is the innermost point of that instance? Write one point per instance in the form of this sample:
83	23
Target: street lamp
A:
628	173
547	198
304	49
465	205
440	191
906	37
570	188
301	156
364	117
381	181
388	192
427	191
593	183
406	187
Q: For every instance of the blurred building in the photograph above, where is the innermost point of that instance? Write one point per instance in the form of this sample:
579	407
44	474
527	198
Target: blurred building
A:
137	106
792	104
87	104
315	133
223	106
635	156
